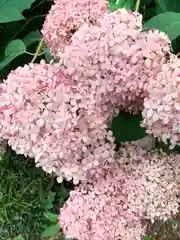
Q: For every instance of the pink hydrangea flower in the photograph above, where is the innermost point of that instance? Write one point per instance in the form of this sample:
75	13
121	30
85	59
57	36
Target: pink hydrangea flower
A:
44	115
115	198
118	56
159	176
162	105
98	210
65	18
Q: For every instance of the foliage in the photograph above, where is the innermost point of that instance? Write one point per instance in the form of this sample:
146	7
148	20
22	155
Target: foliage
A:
116	4
11	10
20	237
126	127
13	50
168	22
51	230
20	31
25	194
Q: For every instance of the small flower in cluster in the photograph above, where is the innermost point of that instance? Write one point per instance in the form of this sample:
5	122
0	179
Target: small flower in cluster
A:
44	115
98	209
162	104
118	57
115	198
65	18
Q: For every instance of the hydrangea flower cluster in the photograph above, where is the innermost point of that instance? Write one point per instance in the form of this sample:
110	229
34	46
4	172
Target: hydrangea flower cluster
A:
158	175
118	56
43	115
162	104
98	210
114	200
65	18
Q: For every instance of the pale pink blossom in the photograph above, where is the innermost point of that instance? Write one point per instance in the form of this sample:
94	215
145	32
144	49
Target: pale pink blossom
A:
115	198
44	115
118	57
162	104
98	209
158	173
65	18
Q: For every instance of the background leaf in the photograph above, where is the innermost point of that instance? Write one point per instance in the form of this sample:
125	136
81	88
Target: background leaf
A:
20	237
48	202
13	50
48	55
169	5
146	238
126	127
10	10
51	216
168	22
116	4
51	231
32	37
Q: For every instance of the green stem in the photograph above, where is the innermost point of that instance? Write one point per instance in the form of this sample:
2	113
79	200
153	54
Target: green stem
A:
137	5
33	54
41	43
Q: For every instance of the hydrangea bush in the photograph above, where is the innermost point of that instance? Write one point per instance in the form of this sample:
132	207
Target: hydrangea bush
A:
60	114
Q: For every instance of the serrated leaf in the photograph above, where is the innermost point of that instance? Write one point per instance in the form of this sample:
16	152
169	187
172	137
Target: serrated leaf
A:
32	37
168	22
51	231
51	216
116	4
10	10
13	50
169	5
126	127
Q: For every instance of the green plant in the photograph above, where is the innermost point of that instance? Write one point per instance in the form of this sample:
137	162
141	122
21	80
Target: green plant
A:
20	237
20	24
25	196
54	228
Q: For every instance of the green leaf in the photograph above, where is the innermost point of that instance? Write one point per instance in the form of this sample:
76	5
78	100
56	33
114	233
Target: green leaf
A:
13	50
51	231
20	237
51	216
174	222
126	127
168	22
10	10
146	238
48	55
48	202
64	192
116	4
146	2
169	5
32	37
